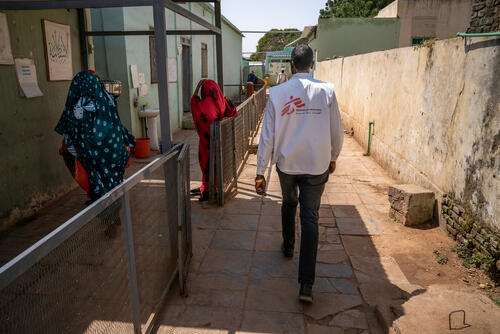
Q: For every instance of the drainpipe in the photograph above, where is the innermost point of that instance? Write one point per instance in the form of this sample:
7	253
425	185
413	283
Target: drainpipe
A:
370	125
482	34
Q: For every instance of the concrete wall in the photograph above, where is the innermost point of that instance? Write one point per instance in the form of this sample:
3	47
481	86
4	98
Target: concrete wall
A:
391	10
429	18
31	170
349	36
232	49
436	113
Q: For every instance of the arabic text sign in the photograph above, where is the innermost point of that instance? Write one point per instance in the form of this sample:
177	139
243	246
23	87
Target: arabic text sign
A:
58	51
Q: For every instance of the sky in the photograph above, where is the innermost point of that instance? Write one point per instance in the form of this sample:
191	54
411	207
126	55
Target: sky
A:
264	15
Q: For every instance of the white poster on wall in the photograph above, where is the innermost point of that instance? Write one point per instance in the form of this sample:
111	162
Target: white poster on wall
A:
26	76
135	75
5	48
172	69
57	40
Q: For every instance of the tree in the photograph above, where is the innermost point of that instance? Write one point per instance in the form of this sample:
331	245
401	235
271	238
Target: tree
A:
274	42
353	8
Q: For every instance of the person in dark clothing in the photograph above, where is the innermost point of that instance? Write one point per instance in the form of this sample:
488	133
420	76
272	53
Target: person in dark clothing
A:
252	77
96	145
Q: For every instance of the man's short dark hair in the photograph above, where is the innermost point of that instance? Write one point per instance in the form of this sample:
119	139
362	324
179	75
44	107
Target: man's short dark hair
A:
302	57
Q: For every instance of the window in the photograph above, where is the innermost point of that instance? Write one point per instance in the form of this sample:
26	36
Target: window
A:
418	40
204	61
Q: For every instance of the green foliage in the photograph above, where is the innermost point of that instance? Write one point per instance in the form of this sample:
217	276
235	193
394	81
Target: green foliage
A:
462	251
496	301
353	8
274	42
472	258
440	258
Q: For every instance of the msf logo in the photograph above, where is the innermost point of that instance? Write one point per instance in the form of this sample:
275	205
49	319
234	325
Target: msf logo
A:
292	105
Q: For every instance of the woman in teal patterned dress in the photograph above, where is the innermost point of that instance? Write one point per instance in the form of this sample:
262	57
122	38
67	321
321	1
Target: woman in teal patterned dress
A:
94	135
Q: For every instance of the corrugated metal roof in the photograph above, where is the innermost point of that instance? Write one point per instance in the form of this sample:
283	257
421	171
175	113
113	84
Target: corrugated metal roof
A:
286	52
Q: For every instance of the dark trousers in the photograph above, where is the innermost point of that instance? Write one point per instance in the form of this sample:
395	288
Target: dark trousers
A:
306	190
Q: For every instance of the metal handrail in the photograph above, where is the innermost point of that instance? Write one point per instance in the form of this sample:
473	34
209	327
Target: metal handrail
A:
22	262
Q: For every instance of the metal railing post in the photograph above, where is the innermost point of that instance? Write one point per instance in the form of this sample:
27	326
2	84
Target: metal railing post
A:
180	227
132	273
235	163
211	162
187	205
218	164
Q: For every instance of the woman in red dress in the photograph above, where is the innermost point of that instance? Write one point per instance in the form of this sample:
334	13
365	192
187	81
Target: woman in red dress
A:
210	107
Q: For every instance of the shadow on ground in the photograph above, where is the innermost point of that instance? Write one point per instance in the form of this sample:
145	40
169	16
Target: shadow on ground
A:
241	283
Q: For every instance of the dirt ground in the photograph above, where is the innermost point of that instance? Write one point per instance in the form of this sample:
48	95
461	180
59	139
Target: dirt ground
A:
413	249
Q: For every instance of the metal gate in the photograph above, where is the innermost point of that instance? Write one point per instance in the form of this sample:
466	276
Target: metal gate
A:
109	268
230	141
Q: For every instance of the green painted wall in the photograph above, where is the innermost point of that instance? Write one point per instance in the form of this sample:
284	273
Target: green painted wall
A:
109	64
231	49
31	170
350	36
114	55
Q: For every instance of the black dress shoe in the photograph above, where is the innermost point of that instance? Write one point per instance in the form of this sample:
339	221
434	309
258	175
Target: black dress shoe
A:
205	197
286	252
195	191
305	293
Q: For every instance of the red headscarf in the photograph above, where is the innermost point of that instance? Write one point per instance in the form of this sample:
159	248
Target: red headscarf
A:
210	89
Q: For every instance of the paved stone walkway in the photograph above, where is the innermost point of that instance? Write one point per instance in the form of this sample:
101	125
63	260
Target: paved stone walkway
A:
240	282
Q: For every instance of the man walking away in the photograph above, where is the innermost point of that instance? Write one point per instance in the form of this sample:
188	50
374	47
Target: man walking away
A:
251	77
302	133
282	78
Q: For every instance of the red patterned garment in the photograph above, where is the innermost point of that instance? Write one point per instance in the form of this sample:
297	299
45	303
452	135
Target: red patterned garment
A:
210	107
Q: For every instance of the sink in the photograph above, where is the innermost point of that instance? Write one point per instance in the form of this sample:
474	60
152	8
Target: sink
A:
151	125
149	113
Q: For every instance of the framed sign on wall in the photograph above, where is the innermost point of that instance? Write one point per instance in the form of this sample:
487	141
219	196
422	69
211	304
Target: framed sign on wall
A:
5	49
57	40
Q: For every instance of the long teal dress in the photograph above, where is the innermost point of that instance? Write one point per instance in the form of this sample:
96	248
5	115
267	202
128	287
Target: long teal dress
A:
94	134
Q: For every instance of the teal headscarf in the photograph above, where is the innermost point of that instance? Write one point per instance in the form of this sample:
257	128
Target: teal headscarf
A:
90	123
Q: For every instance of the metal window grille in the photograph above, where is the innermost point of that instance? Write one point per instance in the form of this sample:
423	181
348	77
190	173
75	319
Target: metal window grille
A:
109	268
230	141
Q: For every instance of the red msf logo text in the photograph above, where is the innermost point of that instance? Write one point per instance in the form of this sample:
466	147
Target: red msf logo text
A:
292	105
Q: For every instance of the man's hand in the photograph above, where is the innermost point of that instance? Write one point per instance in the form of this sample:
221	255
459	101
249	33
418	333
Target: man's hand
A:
260	185
332	166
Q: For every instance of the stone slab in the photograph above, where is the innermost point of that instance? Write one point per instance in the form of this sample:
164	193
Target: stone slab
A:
410	204
272	322
329	304
344	286
226	261
239	222
272	264
273	294
359	245
428	312
385	269
230	239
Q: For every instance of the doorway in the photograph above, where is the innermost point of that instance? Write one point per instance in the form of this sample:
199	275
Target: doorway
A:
187	84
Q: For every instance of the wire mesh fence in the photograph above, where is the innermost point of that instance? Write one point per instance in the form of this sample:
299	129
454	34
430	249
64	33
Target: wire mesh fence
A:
107	269
230	140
